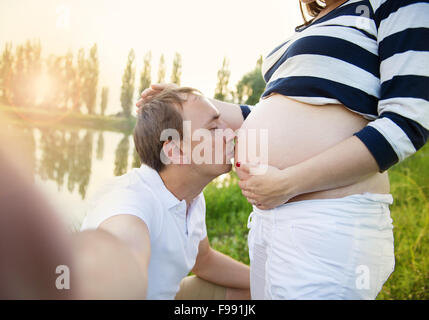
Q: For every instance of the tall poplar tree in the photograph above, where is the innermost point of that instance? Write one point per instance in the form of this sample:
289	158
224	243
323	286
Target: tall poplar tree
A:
145	75
221	92
127	89
161	69
91	79
78	91
104	100
176	72
6	63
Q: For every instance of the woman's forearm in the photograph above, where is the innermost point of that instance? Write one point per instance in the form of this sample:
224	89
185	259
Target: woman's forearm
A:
230	113
343	164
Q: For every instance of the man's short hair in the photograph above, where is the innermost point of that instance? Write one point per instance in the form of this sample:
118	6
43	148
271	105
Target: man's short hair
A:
162	111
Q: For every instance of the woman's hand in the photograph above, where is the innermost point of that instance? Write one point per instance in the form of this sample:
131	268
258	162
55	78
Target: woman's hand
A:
269	190
153	90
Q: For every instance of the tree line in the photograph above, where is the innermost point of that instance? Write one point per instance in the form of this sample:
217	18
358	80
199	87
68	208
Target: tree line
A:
73	79
70	82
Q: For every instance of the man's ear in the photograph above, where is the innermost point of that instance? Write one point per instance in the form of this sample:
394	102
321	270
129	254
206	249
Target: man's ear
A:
171	152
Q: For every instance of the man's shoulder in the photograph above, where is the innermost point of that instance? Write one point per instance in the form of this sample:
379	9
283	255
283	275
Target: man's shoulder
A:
126	192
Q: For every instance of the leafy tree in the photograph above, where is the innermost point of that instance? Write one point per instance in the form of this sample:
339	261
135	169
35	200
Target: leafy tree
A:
6	65
145	75
55	66
18	73
60	71
251	86
176	72
104	99
221	92
16	94
161	69
69	75
127	89
91	79
78	83
33	63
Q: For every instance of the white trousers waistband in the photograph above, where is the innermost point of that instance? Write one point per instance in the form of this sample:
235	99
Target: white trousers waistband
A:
317	249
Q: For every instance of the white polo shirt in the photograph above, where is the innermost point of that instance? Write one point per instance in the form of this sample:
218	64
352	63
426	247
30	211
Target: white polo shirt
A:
174	236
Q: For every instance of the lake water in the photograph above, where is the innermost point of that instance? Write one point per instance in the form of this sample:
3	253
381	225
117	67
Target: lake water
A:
71	164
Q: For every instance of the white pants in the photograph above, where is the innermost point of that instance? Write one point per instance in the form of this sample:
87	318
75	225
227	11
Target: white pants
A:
322	249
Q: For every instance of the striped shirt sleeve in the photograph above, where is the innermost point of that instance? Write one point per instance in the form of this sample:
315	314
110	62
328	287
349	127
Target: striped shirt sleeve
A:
245	110
402	126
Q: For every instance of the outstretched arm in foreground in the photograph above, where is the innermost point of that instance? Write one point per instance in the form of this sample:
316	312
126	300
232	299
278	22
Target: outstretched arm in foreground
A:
34	243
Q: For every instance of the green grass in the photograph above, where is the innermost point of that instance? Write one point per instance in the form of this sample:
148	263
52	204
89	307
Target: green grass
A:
410	214
226	218
228	210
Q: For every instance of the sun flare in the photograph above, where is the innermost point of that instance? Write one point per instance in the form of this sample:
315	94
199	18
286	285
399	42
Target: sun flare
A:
42	86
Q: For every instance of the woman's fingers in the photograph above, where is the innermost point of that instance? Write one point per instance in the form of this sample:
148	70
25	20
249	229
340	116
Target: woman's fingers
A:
257	204
148	92
162	86
252	168
144	95
252	198
243	167
248	194
139	103
245	185
251	184
154	89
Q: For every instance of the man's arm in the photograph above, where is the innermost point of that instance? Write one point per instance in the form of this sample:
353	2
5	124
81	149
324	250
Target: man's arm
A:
112	261
220	269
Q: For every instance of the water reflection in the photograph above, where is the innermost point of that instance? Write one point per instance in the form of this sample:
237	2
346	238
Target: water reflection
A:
28	146
67	155
121	156
136	159
100	146
68	165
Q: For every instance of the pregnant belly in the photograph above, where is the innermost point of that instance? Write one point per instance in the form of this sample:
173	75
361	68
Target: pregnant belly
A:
284	132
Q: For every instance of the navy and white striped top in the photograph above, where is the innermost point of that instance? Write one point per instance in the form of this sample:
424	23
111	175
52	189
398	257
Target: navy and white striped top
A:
373	57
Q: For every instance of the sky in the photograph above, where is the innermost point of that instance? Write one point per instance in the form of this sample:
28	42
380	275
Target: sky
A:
202	31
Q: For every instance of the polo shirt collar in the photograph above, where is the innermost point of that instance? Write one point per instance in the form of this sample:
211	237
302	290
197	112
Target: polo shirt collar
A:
154	180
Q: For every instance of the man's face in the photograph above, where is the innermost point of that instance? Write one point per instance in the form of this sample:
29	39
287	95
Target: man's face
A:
211	145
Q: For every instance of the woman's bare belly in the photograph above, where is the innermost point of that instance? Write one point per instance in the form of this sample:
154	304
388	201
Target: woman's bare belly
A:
298	131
